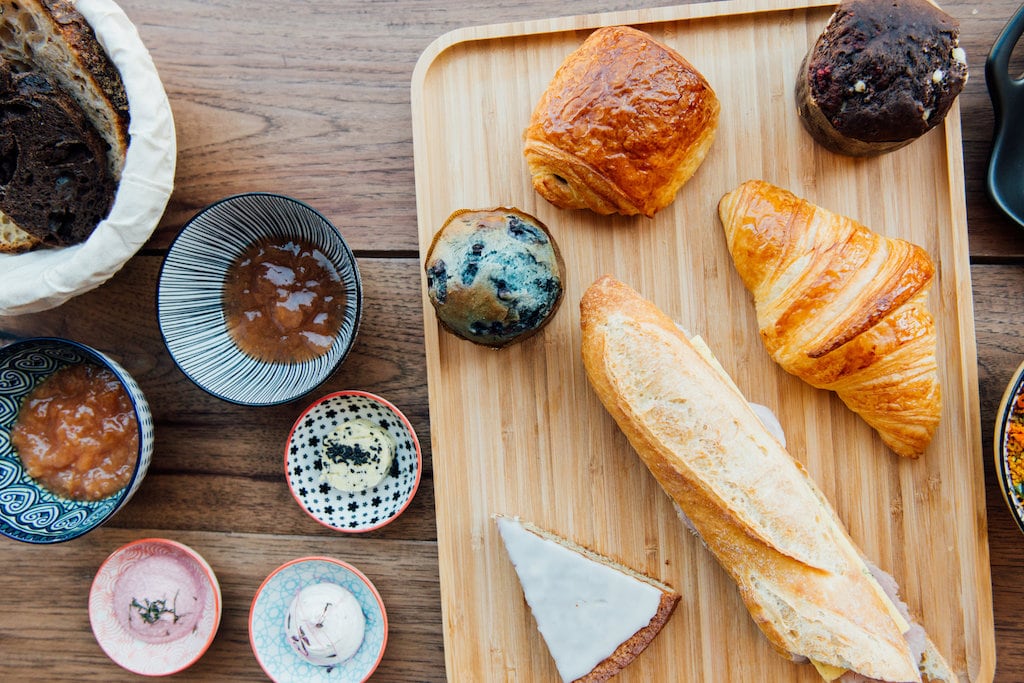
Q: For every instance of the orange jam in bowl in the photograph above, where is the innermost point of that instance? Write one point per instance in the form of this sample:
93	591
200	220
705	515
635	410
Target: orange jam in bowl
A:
284	301
76	433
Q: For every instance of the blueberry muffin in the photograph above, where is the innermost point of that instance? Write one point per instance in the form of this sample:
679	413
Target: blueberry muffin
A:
881	74
494	276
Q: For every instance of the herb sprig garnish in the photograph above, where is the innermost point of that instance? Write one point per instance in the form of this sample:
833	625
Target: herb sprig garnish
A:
152	611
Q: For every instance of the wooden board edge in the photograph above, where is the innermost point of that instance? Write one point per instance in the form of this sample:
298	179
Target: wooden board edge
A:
634	17
984	618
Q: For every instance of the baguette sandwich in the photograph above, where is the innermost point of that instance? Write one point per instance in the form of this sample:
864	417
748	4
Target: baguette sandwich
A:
804	581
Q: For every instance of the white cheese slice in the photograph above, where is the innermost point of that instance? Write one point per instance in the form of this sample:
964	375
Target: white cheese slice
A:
584	608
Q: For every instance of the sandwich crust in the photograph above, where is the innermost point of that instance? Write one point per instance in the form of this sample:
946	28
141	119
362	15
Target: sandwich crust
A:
631	648
598	564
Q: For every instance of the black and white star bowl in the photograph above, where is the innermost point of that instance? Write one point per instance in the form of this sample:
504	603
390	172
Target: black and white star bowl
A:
351	511
190	293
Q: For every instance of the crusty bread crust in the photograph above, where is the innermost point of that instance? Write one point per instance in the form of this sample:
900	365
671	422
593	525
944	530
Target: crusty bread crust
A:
52	36
798	572
12	238
83	42
630	649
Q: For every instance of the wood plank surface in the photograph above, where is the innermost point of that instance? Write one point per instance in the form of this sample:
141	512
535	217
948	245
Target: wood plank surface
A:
541	446
314	101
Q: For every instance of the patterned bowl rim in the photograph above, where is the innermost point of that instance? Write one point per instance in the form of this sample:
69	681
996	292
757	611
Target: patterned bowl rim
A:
405	424
349	341
330	560
1013	501
139	406
211	578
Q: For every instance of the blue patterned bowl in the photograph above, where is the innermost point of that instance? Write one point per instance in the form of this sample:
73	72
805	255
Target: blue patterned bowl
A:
1008	446
28	511
347	511
267	622
190	290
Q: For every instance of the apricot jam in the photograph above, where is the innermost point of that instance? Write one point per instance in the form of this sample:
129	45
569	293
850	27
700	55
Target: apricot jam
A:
77	433
284	301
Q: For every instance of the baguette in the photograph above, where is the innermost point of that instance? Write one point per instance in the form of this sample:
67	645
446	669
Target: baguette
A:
804	582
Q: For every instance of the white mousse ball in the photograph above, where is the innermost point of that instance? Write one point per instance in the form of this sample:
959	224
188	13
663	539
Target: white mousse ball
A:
325	624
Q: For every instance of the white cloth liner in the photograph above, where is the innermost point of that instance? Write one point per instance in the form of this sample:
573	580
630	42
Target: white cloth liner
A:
45	278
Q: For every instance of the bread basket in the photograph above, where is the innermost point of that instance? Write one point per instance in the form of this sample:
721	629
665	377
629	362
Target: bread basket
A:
45	278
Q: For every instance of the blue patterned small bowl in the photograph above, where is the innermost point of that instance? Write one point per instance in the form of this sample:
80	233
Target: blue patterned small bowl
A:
347	511
190	292
270	606
28	511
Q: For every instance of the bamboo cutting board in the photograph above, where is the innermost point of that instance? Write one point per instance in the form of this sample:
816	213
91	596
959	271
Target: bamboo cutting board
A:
519	431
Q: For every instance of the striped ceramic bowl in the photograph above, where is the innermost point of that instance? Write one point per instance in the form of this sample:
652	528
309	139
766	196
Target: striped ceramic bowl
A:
28	511
190	298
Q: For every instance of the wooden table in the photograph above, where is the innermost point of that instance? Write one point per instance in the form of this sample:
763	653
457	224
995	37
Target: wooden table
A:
312	100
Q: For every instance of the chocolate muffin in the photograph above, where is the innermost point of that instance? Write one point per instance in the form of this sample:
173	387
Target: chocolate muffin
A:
494	276
54	179
881	74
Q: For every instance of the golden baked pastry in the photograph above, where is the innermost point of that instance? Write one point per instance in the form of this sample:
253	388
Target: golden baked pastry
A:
623	124
841	307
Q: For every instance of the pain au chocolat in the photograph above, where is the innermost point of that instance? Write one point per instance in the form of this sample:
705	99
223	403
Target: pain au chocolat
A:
624	123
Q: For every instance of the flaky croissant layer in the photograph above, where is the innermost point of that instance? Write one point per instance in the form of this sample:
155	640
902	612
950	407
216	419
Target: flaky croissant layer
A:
841	307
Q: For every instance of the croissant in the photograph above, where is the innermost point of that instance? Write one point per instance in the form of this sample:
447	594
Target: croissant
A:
623	124
841	307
